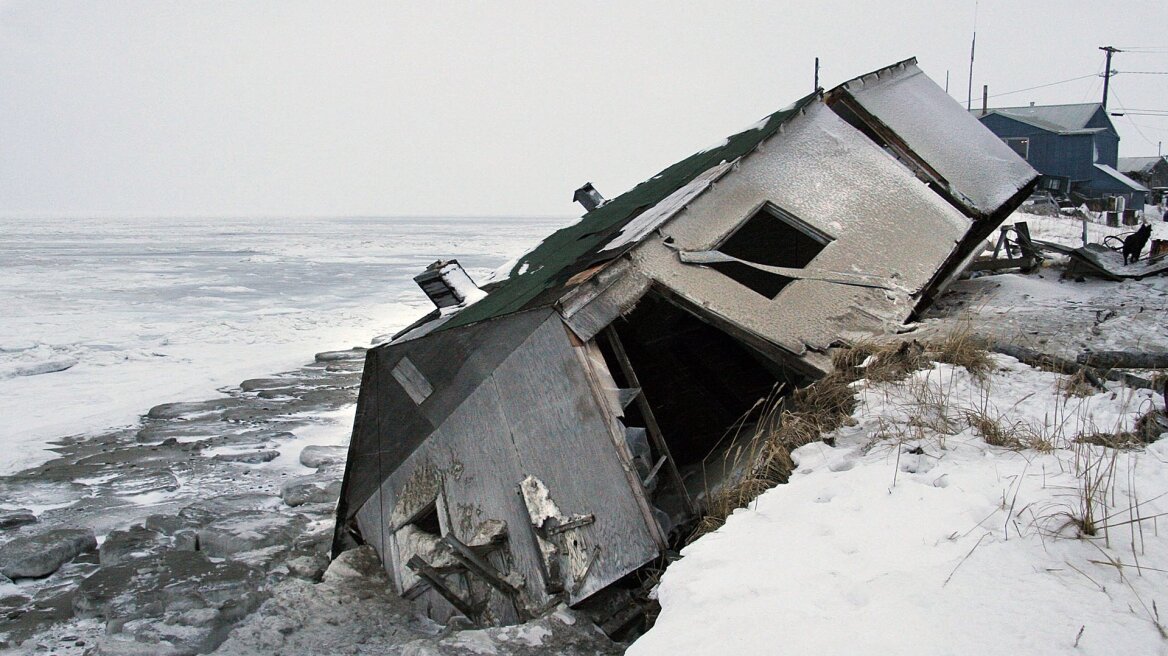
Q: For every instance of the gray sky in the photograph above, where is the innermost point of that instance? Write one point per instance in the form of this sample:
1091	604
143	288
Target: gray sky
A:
439	108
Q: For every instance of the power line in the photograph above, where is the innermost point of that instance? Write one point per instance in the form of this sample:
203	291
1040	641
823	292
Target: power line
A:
1043	86
1141	73
1154	128
1138	130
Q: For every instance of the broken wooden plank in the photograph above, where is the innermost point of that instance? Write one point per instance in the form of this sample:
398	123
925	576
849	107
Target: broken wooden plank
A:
653	472
1025	243
431	576
587	570
1023	263
479	567
548	572
417	589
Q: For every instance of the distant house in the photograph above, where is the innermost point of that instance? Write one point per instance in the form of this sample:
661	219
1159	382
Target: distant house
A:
1074	147
1152	172
539	442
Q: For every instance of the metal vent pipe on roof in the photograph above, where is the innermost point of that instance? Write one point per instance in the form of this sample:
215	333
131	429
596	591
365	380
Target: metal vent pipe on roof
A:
588	197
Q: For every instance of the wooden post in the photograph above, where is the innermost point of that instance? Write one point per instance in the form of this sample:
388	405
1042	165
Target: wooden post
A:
431	576
647	412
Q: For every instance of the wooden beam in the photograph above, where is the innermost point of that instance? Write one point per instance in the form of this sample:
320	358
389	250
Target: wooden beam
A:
647	412
487	572
1023	263
481	568
1065	366
431	576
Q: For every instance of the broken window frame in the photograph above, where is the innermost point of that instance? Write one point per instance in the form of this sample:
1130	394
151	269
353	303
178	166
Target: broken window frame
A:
788	219
437	507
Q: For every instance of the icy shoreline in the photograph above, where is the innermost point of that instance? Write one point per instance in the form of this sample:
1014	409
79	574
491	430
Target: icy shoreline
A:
107	318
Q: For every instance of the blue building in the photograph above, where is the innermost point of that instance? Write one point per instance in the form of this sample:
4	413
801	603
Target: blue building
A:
1074	147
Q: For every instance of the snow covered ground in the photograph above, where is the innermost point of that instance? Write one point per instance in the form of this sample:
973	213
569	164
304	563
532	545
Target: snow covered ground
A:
105	318
906	539
912	535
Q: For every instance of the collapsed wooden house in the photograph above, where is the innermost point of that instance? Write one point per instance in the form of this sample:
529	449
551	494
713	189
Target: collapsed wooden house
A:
541	438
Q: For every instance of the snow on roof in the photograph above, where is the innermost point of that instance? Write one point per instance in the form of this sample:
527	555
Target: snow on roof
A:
1138	164
1064	119
650	219
975	162
1123	179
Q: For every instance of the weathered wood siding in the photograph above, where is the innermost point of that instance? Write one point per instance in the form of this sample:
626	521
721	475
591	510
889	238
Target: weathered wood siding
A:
535	414
563	438
390	424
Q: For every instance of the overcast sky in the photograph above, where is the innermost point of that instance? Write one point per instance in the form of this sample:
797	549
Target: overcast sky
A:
481	108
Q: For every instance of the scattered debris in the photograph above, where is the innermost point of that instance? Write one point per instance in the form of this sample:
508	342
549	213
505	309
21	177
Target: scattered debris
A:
1107	263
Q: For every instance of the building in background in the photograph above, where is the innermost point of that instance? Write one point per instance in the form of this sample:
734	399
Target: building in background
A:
1074	147
1152	172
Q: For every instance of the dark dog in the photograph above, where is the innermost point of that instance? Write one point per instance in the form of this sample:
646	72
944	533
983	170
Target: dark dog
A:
1135	242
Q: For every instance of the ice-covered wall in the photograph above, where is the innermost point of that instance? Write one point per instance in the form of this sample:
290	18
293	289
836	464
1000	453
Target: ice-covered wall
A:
884	222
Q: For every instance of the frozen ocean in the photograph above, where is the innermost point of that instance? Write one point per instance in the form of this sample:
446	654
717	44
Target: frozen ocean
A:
104	318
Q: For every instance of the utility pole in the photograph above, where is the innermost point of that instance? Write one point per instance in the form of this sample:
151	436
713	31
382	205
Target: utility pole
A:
817	73
1107	71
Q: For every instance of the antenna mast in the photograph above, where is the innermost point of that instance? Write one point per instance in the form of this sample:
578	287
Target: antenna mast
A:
972	50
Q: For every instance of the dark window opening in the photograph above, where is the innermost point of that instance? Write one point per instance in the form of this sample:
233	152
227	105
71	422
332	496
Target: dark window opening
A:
1019	145
773	237
427	520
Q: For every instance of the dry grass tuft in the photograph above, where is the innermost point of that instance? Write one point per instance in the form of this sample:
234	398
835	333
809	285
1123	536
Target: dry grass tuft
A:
1076	385
787	423
993	432
809	413
880	363
1094	476
964	349
1015	436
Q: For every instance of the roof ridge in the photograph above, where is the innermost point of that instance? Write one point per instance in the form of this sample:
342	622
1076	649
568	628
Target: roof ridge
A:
578	247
